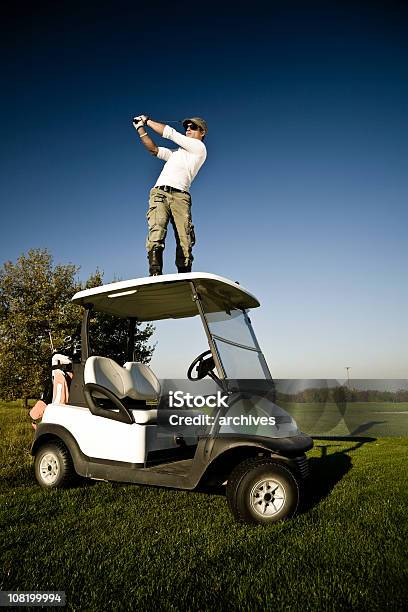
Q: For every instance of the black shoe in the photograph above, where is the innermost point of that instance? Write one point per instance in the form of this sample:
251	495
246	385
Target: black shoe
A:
155	257
184	269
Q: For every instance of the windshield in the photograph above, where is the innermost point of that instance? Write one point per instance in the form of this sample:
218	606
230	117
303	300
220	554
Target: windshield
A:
236	343
232	326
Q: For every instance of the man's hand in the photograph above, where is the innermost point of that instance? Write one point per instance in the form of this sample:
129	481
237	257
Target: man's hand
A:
138	122
143	119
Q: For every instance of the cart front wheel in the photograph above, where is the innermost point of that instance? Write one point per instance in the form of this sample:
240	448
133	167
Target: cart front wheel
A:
262	491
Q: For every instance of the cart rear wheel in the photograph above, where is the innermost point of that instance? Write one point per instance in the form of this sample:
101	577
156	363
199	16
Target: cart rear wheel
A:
262	491
53	466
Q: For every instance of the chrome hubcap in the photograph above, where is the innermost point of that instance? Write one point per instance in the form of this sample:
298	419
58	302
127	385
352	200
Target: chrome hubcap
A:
267	497
49	468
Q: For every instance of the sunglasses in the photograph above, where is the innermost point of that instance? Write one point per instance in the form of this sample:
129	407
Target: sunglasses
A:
192	126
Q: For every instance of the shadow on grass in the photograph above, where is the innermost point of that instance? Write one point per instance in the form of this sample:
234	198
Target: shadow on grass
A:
365	427
328	469
210	489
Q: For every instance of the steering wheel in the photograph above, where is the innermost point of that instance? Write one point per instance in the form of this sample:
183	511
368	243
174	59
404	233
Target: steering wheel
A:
203	366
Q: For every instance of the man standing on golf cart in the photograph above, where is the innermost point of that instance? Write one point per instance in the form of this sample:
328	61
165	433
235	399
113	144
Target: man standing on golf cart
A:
170	199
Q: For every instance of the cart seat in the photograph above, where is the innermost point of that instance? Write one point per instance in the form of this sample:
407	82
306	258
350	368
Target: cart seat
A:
134	380
144	380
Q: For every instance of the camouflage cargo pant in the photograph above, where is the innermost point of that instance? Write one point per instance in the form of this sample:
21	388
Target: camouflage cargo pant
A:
174	207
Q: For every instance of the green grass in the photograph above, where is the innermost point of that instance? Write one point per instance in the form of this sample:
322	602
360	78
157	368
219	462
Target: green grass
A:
386	419
125	547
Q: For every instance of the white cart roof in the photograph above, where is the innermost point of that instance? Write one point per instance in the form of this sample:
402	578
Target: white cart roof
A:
165	297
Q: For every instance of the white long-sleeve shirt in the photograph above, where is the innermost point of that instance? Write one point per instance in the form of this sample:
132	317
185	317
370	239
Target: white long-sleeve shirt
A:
182	164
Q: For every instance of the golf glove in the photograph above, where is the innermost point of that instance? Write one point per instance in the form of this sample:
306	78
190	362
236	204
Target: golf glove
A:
137	122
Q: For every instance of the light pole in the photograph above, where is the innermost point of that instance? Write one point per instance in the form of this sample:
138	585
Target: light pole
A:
347	368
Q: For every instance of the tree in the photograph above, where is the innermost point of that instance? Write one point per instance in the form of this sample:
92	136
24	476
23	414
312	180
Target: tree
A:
108	337
34	291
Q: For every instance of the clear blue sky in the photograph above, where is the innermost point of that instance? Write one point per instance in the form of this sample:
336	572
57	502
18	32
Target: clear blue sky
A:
303	197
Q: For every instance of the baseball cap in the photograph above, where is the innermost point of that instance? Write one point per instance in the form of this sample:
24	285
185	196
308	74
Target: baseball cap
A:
198	121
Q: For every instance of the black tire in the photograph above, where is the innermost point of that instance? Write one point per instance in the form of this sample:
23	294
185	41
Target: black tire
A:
53	466
262	491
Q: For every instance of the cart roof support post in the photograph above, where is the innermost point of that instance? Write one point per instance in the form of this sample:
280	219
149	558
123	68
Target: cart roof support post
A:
131	339
85	349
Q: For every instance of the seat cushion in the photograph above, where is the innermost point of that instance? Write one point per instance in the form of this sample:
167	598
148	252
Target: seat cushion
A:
134	380
109	374
145	385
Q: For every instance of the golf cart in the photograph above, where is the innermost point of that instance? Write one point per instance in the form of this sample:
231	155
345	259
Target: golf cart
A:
118	424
